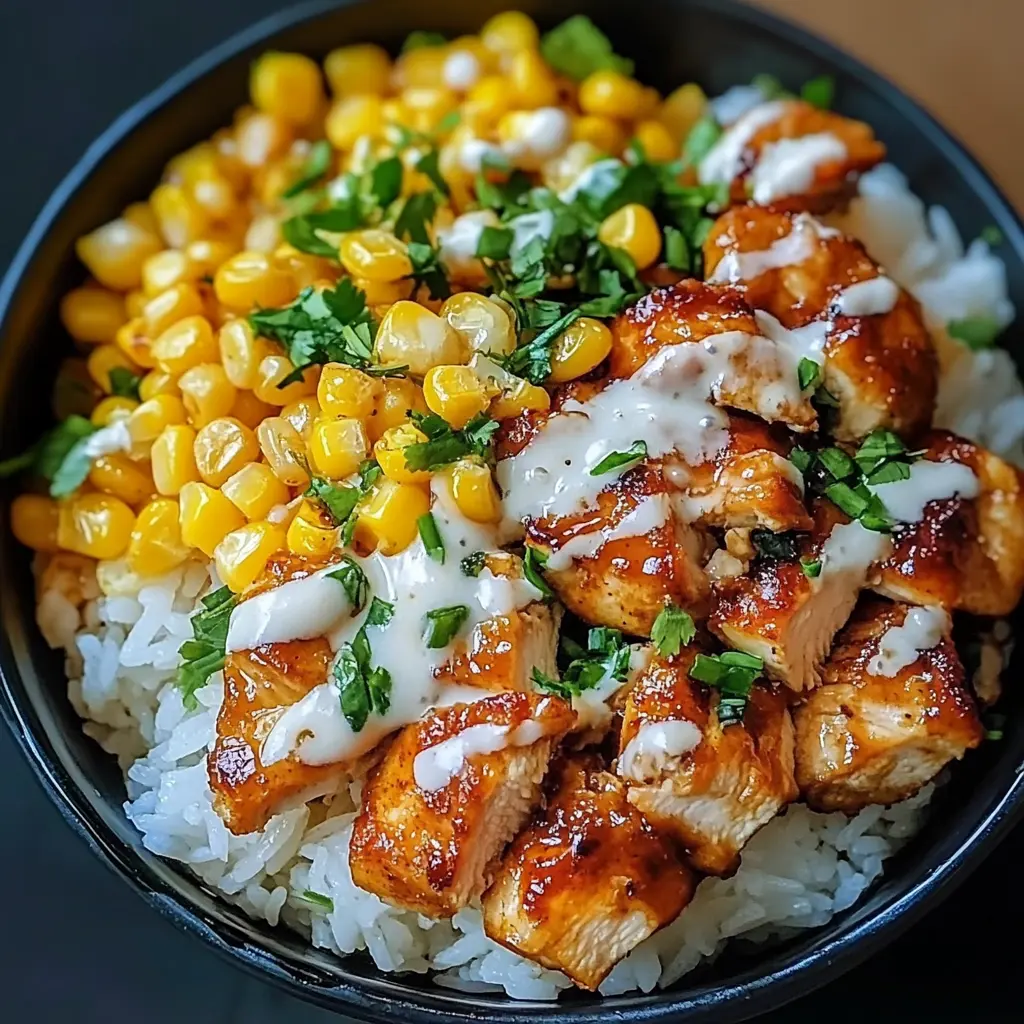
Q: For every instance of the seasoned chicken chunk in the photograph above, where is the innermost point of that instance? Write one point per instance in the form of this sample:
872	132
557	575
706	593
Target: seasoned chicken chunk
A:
791	153
889	715
966	552
830	296
448	795
756	375
711	786
586	882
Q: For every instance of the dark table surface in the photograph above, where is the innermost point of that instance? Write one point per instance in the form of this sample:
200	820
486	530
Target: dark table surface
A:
78	945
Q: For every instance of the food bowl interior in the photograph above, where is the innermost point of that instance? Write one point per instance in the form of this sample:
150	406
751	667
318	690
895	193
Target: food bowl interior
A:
715	43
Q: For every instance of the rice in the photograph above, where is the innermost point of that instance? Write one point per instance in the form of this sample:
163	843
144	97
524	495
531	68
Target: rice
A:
797	872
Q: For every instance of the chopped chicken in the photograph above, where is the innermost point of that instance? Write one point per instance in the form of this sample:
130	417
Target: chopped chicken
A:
966	554
833	176
448	795
586	882
710	786
692	312
881	368
867	738
786	617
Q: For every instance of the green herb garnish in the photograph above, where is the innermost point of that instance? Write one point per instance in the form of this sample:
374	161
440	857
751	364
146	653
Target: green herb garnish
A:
808	374
811	567
431	535
380	613
976	332
442	624
780	547
732	674
124	383
632	456
445	445
353	579
204	655
316	165
819	92
361	689
606	656
428	269
319	899
533	360
577	48
673	629
419	39
534	561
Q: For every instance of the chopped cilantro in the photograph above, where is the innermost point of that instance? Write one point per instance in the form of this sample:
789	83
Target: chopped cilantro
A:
445	445
380	613
204	653
811	567
60	456
606	656
416	213
732	674
473	565
431	535
300	233
549	684
632	456
124	383
577	48
533	360
673	629
338	499
316	165
428	270
319	899
361	689
819	92
975	332
675	251
779	547
419	39
353	579
427	165
534	561
386	180
700	141
495	243
808	374
442	624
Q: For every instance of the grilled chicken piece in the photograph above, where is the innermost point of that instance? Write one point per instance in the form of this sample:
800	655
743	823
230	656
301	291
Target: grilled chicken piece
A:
586	882
788	618
710	786
759	154
451	791
867	738
760	375
966	554
880	367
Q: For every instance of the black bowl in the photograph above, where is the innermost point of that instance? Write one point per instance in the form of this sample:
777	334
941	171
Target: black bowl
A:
716	42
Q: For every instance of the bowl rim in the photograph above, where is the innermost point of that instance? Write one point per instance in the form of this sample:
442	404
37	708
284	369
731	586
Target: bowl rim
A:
751	991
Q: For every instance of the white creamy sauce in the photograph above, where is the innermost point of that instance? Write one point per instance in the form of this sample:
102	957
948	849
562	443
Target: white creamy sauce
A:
905	500
603	173
922	629
457	244
787	251
850	548
787	167
725	159
655	745
109	439
807	342
735	102
462	70
530	226
473	153
867	298
546	133
648	515
591	706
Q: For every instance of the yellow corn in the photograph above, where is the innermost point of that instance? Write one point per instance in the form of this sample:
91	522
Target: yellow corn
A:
288	86
272	370
249	410
222	447
353	117
243	554
104	358
389	452
134	303
633	229
207	254
92	315
563	170
250	279
157	382
608	93
580	347
156	546
682	109
164	270
422	68
206	517
346	391
525	397
455	393
302	415
601	132
510	31
358	69
473	489
375	255
487	102
147	422
118	475
412	336
185	344
173	459
241	352
135	342
142	216
384	293
424	108
337	446
34	521
284	451
262	138
181	218
311	533
387	518
216	198
254	490
206	392
115	579
399	396
95	525
113	407
115	252
656	141
486	326
162	311
532	82
306	270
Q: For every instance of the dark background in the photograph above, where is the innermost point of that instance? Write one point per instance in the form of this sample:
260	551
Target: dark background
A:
77	944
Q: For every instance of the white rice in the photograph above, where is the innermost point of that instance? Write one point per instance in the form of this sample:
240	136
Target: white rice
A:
796	873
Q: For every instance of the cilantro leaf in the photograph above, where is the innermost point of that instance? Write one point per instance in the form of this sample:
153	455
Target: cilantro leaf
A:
976	332
675	252
339	499
534	561
351	576
445	445
49	453
673	629
472	565
779	547
622	461
124	383
380	613
819	92
428	270
385	183
700	141
361	689
808	373
416	213
549	684
533	360
316	165
442	624
577	48
495	243
811	567
427	165
319	899
732	674
419	39
431	536
299	232
203	655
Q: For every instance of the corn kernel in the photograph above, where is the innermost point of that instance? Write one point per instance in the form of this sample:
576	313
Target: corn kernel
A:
135	342
157	382
142	216
601	132
563	171
608	93
311	533
532	82
510	31
288	86
422	68
375	255
412	336
284	451
114	253
134	303
578	349
487	102
156	546
346	391
243	554
656	141
34	520
115	579
241	352
102	360
400	395
353	117
358	69
185	344
164	270
166	309
272	371
455	393
113	407
181	218
682	109
306	270
254	490
95	525
173	460
474	491
526	397
302	415
384	293
424	108
206	517
633	229
92	315
262	138
387	518
484	324
118	475
206	392
248	409
207	254
216	198
250	279
222	447
337	447
389	452
147	422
